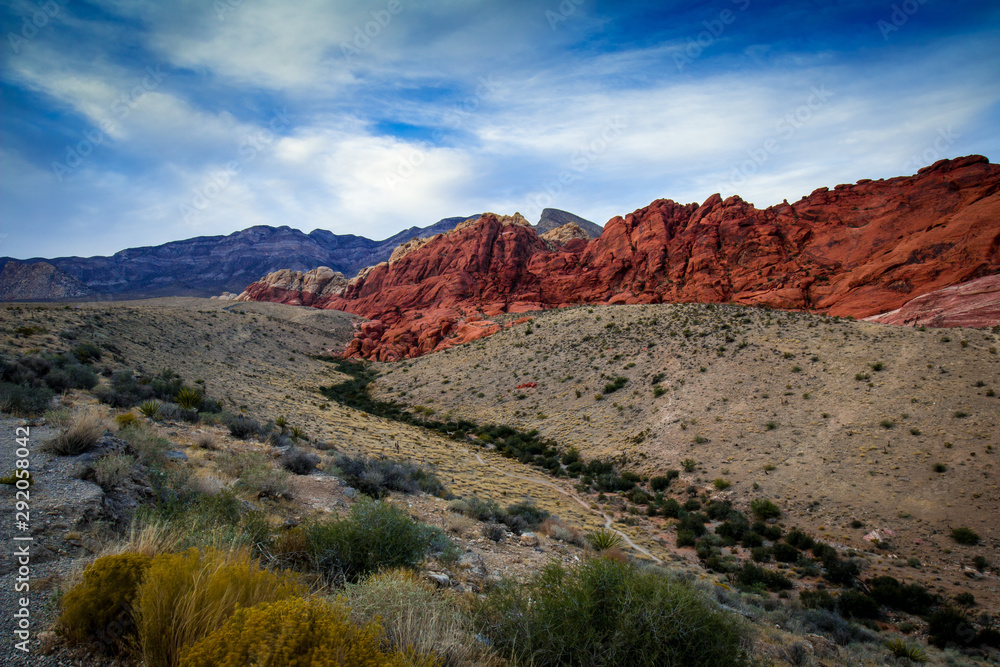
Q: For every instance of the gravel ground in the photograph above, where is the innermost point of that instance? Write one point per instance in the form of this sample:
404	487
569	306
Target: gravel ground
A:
56	502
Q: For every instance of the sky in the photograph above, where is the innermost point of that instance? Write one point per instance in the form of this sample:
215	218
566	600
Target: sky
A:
137	122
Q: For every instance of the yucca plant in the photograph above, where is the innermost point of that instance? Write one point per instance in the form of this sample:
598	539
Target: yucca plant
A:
604	539
150	409
189	399
281	423
297	433
901	649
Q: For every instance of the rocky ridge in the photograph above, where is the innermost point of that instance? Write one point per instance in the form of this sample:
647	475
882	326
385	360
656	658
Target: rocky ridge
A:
854	250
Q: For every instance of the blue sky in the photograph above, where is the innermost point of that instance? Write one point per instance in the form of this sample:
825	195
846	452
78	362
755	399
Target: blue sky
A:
138	122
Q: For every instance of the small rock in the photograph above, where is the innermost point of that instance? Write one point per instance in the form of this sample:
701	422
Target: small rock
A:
441	580
350	492
529	540
176	456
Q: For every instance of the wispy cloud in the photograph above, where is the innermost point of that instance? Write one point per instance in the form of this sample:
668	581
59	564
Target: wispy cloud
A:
402	112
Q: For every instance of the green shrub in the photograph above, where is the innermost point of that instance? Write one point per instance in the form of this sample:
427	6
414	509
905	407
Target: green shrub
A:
855	604
245	428
378	477
98	611
689	465
24	401
615	385
375	535
525	515
604	539
607	613
753	577
950	627
819	599
965	536
150	409
305	631
477	508
784	553
113	469
721	484
87	353
188	596
911	598
799	539
659	483
764	509
150	447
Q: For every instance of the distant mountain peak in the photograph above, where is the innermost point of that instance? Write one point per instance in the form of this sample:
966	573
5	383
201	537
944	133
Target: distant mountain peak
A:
553	217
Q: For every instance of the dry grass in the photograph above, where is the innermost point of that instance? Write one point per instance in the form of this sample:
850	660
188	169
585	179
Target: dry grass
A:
83	432
460	525
111	470
207	441
414	616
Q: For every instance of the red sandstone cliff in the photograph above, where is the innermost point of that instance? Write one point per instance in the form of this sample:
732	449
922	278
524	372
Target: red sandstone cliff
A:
855	250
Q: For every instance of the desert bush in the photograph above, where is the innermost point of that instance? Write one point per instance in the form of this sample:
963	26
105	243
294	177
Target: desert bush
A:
124	391
304	631
113	469
607	613
799	539
750	576
557	530
299	462
764	509
670	508
661	482
833	625
206	441
965	536
216	520
494	531
24	401
126	419
98	610
784	553
477	508
855	604
950	627
911	598
689	465
376	478
150	447
374	535
413	615
530	514
264	481
81	435
818	599
245	428
615	385
234	464
87	353
188	596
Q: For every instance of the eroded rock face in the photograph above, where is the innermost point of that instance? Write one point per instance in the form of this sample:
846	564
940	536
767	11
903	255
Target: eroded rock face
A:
854	250
295	287
21	281
972	304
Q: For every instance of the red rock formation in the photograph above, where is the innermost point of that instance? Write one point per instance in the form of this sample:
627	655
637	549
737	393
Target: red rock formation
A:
972	304
854	250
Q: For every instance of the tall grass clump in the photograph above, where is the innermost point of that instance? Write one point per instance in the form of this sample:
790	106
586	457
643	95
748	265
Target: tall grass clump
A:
188	596
414	616
607	613
81	435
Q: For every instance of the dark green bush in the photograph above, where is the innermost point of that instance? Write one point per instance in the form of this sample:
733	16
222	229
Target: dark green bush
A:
670	508
659	483
530	514
855	604
799	539
607	613
24	401
763	509
965	536
784	553
817	600
374	536
615	385
766	530
245	428
950	627
751	576
87	353
911	598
